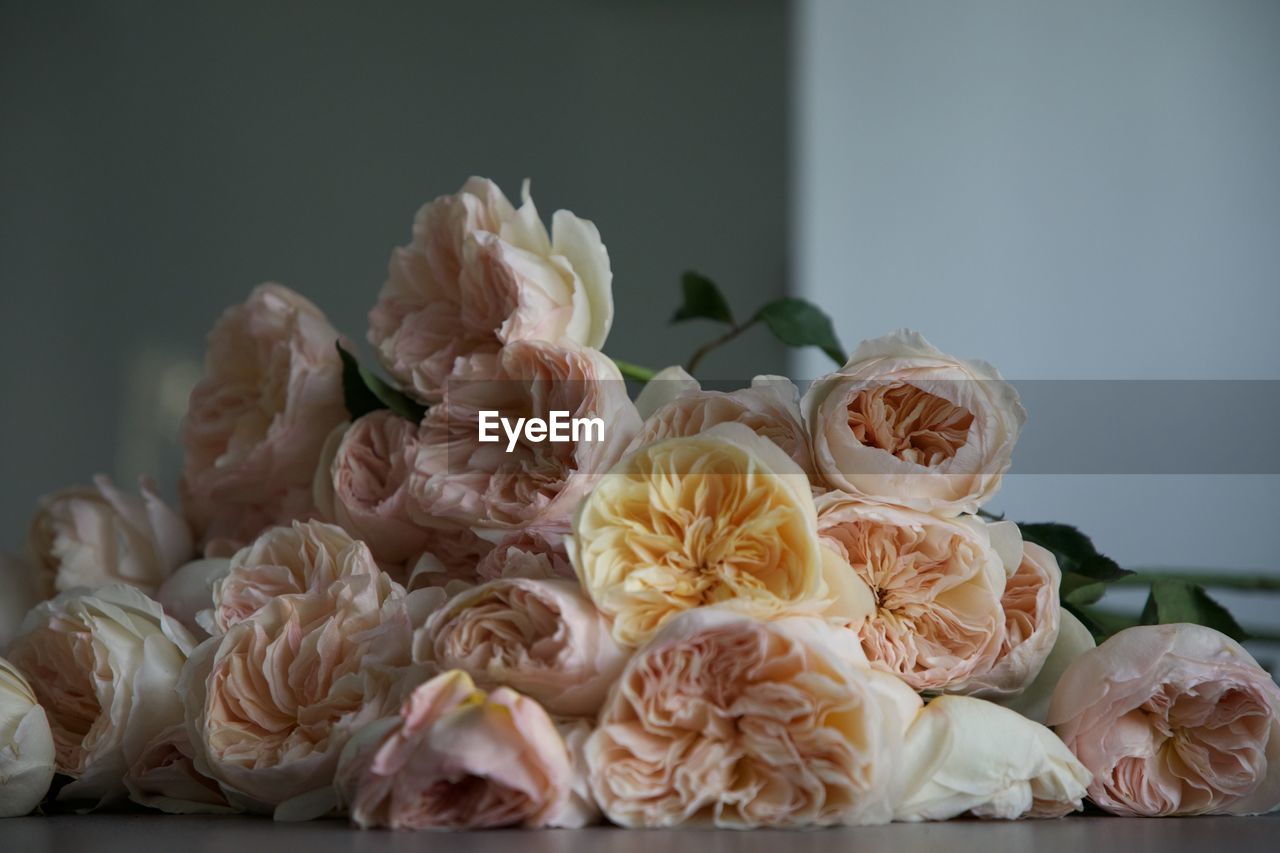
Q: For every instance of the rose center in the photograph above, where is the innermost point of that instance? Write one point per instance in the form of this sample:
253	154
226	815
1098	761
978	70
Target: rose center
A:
910	423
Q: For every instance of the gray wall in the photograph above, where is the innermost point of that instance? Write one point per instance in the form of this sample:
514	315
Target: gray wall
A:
158	159
1068	190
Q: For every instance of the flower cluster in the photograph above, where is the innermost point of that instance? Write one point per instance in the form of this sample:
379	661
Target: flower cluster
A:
744	608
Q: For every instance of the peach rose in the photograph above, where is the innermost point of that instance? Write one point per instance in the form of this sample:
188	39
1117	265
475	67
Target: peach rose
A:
480	274
1172	720
271	703
535	552
968	755
937	583
103	664
26	745
1031	618
724	516
905	424
457	478
258	420
727	721
163	776
458	758
361	485
543	638
305	556
90	536
770	408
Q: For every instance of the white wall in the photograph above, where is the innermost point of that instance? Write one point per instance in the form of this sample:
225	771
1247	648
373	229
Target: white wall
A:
1068	190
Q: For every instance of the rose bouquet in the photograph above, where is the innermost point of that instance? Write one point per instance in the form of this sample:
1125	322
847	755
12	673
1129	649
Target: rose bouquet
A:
683	606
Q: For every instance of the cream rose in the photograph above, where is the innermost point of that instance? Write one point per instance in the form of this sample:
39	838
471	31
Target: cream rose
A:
543	638
1172	720
968	755
104	665
188	593
937	583
905	424
727	721
724	516
361	485
256	423
305	556
458	758
26	745
90	536
271	703
457	478
480	274
1074	640
770	407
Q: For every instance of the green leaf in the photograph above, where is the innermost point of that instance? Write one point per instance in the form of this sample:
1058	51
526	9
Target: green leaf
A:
364	391
798	323
1095	628
1074	550
1181	601
702	299
1078	589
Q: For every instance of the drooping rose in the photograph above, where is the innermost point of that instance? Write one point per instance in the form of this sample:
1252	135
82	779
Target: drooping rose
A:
1032	614
361	485
480	274
90	536
461	479
162	775
728	721
937	583
1172	720
257	422
103	664
905	424
26	745
458	758
305	556
724	516
272	702
535	552
542	638
770	407
968	755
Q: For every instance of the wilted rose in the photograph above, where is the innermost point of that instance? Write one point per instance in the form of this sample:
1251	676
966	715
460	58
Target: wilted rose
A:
480	274
90	536
903	423
1172	720
458	758
258	420
728	721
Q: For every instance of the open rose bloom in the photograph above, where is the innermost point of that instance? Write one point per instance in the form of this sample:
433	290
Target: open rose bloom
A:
480	274
903	423
458	758
26	745
1172	719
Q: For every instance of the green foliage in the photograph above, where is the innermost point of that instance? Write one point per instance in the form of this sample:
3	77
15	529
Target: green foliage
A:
364	391
1182	601
702	300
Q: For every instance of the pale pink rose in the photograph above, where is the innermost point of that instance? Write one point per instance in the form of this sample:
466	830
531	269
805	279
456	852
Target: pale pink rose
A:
543	638
305	556
458	478
104	664
90	536
723	516
770	408
535	552
937	584
271	703
361	485
905	424
581	809
1172	720
458	758
728	721
188	592
257	422
1031	619
163	776
451	559
480	274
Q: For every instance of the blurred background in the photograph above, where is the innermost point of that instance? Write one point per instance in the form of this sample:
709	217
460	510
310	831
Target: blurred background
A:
1086	190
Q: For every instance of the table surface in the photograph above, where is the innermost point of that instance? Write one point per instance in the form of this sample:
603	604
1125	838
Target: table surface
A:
138	833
